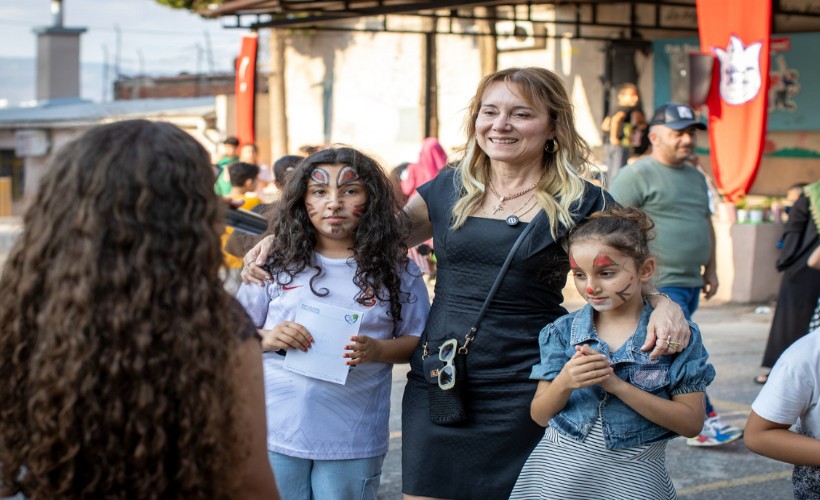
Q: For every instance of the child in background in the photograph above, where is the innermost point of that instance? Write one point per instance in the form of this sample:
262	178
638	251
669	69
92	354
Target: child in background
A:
243	186
343	248
791	396
610	408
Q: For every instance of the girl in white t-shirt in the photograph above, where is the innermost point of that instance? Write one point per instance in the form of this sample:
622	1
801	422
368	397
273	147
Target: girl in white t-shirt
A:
791	396
338	242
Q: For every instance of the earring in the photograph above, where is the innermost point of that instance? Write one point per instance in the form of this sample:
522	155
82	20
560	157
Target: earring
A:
552	146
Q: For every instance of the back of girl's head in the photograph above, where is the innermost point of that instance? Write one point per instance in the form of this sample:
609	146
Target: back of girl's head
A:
628	230
114	329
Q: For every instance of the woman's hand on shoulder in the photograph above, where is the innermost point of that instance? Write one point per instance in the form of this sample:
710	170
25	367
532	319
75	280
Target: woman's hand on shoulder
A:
668	331
252	271
286	335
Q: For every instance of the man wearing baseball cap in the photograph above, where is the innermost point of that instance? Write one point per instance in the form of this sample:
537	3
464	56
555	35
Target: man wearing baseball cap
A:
675	195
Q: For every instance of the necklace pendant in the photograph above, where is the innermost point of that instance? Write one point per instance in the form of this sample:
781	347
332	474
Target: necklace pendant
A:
498	208
512	220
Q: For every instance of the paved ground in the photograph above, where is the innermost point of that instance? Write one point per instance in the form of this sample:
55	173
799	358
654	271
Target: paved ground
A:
735	337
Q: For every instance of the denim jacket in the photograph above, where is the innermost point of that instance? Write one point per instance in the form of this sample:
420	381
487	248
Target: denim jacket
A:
623	427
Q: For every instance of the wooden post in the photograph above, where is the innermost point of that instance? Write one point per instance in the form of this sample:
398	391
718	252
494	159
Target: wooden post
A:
5	196
276	93
488	49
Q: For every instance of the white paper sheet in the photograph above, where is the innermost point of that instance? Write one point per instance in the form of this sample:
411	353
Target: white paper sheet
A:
331	328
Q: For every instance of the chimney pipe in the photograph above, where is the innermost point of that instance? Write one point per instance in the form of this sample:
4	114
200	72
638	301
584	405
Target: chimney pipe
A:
57	13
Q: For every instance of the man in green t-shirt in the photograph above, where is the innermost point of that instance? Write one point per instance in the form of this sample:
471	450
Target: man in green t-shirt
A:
675	195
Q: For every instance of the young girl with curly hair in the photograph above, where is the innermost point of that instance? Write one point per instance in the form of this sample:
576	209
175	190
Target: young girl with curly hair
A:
125	369
608	407
339	241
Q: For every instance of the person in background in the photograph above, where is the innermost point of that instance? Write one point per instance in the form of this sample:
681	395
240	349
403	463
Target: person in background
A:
230	148
800	285
622	129
592	379
240	242
127	371
675	195
432	160
243	187
785	420
282	169
344	249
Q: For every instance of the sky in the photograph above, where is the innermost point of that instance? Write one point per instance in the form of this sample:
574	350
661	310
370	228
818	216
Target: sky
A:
157	39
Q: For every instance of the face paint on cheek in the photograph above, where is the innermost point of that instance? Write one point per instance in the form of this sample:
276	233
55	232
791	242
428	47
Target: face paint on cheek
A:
602	260
311	210
347	175
358	211
623	293
320	176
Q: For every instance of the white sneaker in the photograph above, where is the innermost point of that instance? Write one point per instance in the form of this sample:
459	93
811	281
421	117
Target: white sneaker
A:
715	433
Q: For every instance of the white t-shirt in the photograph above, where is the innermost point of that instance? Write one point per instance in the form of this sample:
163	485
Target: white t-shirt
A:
792	391
314	419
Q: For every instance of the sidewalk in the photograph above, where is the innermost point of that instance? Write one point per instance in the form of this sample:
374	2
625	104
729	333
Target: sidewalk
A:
735	337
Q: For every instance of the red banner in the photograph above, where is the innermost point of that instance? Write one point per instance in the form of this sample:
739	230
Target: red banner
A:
737	34
245	105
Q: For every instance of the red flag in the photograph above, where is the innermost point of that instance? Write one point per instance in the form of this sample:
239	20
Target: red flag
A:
245	110
737	33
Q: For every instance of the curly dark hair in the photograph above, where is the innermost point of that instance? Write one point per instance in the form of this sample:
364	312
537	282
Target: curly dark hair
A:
115	331
380	252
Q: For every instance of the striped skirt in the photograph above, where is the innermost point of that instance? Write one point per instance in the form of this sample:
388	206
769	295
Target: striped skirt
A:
561	468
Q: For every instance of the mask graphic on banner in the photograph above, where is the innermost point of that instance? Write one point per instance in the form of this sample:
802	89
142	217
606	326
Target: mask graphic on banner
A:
740	78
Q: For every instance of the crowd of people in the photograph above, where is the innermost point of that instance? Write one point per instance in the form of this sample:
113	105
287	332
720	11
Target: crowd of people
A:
130	369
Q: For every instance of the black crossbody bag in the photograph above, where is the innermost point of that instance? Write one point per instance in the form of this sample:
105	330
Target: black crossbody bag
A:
446	372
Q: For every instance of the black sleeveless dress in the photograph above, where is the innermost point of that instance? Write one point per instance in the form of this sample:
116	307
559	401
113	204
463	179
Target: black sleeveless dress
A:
481	457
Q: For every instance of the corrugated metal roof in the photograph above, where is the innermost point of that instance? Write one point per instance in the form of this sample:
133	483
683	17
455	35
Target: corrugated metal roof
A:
71	112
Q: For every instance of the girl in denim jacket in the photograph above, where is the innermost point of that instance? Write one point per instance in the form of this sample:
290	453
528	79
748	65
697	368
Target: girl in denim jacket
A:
610	407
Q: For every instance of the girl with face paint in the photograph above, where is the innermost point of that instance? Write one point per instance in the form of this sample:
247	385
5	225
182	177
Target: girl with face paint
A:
609	407
339	241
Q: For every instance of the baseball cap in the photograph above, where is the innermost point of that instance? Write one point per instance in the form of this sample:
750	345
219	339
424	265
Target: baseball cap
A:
676	117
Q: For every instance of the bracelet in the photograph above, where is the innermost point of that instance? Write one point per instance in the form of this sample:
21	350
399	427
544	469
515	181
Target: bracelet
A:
657	294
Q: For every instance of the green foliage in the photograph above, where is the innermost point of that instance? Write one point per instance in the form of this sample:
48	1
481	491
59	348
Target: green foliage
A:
193	5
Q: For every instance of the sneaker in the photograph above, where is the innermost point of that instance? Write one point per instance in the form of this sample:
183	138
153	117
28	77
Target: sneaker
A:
715	433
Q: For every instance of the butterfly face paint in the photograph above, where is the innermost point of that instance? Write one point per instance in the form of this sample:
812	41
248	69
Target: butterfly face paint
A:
603	276
335	200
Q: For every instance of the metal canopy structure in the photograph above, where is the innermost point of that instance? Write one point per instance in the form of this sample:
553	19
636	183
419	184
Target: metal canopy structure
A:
326	14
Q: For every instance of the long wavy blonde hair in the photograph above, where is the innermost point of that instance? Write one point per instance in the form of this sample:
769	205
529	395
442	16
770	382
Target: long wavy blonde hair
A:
562	186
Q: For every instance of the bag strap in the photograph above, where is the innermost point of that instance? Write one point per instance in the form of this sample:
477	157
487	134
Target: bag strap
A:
498	279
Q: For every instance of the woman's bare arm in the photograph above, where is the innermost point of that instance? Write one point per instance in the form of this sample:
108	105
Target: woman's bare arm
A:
253	470
421	229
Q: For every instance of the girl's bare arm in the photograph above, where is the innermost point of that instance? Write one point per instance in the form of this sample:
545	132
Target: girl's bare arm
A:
776	441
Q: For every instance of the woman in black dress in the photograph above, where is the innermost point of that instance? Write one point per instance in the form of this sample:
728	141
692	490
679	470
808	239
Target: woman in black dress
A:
523	155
